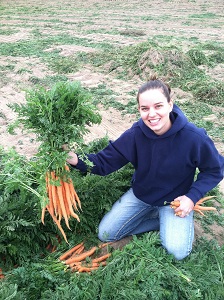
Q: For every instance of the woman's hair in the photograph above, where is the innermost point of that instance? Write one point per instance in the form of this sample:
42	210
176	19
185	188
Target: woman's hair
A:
155	83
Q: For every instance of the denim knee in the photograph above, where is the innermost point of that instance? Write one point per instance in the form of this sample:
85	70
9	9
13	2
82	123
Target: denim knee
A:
105	235
178	252
176	234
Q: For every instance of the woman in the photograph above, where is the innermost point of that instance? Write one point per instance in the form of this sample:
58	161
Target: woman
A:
165	150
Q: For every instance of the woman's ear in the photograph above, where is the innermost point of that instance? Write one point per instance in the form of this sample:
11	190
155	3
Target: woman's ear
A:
171	105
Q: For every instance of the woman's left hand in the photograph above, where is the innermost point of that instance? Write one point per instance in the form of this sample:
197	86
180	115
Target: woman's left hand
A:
186	206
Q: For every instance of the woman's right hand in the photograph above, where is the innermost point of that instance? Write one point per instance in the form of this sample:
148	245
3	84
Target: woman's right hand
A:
72	157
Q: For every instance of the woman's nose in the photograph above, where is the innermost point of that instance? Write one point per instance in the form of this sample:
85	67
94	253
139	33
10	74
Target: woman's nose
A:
151	112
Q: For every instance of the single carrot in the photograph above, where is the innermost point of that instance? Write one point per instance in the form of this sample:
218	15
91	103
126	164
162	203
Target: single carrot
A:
53	248
96	264
86	269
200	212
49	190
77	266
67	168
105	244
204	199
71	251
179	213
173	206
43	214
57	223
54	193
204	208
82	256
62	205
175	203
101	258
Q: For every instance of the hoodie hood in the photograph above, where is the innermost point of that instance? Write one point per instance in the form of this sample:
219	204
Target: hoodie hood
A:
178	122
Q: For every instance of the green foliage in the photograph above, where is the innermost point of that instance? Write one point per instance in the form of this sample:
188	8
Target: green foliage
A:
198	57
141	270
56	116
21	236
64	65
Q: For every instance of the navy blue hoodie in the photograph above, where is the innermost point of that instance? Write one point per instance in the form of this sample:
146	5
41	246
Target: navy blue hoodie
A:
165	165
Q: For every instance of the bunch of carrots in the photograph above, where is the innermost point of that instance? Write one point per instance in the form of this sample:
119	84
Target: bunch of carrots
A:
198	206
63	200
76	259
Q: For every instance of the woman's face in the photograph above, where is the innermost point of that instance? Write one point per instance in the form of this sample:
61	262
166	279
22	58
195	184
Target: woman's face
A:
154	110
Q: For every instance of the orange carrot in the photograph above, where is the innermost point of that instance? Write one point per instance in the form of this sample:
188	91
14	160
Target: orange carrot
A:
204	208
105	244
69	199
175	203
101	258
67	168
54	194
72	188
62	200
204	199
43	214
75	254
86	269
79	266
62	205
71	251
200	212
51	207
58	224
73	192
80	250
82	256
179	213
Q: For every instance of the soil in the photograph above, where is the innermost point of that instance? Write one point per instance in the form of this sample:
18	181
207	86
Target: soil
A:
117	22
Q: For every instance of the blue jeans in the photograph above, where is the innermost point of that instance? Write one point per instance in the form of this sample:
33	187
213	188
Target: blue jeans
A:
130	216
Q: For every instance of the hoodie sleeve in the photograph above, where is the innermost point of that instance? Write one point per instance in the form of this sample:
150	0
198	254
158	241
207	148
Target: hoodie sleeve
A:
112	158
211	168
